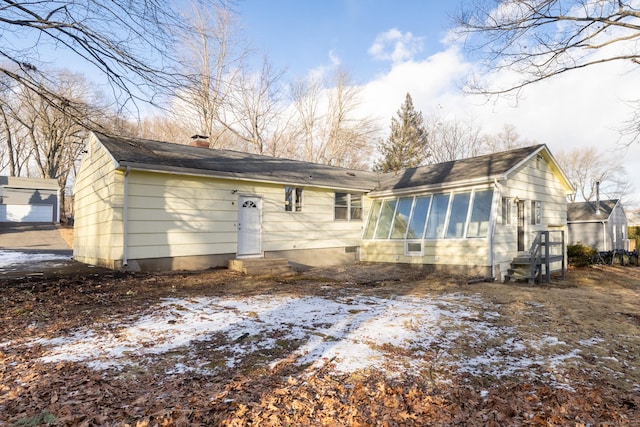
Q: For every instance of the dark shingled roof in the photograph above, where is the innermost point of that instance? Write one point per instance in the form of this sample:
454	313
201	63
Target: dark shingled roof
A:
586	211
167	157
150	155
488	166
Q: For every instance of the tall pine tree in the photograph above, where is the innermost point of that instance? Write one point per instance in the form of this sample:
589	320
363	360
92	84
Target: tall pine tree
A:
406	146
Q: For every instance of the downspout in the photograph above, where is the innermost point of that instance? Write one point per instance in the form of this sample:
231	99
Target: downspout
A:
125	219
492	226
58	207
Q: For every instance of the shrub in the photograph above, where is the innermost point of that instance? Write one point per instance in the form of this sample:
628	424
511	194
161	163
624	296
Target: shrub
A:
580	255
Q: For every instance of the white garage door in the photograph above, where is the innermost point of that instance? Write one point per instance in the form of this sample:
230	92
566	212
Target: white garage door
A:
26	213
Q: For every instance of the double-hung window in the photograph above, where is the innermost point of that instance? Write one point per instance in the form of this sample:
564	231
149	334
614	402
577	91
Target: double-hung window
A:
293	199
536	212
348	206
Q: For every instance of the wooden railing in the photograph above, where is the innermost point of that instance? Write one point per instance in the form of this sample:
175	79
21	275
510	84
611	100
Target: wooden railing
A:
543	252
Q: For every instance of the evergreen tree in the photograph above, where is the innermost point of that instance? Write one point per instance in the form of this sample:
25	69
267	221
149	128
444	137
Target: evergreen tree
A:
406	146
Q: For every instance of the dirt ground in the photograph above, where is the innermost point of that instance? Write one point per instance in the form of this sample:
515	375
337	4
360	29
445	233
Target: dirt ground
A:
599	385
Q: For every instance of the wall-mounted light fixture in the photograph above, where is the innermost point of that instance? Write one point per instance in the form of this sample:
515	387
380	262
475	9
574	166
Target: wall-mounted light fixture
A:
516	200
234	191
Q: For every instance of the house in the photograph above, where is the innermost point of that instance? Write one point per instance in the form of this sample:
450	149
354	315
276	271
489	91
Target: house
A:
158	206
477	215
153	205
601	225
29	199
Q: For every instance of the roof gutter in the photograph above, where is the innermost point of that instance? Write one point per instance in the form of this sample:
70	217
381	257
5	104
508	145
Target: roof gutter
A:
439	186
231	176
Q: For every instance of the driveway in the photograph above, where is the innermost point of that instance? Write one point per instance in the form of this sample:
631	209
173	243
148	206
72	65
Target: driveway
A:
34	249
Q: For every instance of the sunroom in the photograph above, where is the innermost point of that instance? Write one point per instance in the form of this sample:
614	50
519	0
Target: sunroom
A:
447	228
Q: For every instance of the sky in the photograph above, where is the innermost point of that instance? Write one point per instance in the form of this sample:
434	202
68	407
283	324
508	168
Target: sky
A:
394	47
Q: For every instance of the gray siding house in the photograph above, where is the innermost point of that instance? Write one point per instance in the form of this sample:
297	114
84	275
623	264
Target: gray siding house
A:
601	225
29	199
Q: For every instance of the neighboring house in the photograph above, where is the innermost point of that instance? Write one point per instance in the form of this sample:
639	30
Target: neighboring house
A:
154	205
601	225
29	199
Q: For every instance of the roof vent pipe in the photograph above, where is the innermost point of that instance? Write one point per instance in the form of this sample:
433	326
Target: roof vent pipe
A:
597	197
201	141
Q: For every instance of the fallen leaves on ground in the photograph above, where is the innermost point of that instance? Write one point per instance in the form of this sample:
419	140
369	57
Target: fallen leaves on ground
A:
72	394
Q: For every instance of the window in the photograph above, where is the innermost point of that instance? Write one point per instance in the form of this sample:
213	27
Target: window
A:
419	217
293	199
506	211
413	248
536	211
348	206
373	219
401	219
437	216
480	214
386	215
458	215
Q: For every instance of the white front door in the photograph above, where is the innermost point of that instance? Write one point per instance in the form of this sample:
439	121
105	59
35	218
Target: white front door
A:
249	226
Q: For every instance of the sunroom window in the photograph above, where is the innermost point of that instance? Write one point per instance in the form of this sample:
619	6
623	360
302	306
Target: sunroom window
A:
386	216
480	214
419	217
373	219
438	216
401	219
458	215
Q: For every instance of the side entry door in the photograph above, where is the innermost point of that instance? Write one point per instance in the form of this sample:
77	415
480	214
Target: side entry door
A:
249	226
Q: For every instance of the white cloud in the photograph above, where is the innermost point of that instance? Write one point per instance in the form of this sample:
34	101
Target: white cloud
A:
395	46
582	108
319	73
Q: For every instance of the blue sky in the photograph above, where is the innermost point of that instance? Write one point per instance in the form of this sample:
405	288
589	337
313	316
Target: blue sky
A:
303	35
394	47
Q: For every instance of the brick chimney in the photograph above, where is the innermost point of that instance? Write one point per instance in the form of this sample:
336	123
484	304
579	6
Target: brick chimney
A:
201	141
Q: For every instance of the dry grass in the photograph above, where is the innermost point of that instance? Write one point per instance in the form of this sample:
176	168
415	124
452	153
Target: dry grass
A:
67	235
594	315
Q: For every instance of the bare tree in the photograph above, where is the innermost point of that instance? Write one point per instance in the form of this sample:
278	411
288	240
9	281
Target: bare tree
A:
341	135
130	43
255	113
586	167
507	139
55	138
540	39
14	150
306	96
212	58
545	38
452	139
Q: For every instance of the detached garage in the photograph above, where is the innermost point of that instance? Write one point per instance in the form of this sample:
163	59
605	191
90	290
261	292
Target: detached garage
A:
29	199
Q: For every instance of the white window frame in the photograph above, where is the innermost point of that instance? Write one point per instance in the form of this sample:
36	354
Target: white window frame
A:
350	196
408	252
297	197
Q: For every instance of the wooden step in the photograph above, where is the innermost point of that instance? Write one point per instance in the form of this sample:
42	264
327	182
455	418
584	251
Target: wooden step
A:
262	266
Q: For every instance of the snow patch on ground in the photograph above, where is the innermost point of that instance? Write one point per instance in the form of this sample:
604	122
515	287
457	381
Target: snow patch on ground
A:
401	333
9	258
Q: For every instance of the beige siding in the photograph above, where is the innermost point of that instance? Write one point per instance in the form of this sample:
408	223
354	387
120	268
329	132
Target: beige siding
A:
473	252
173	216
98	208
533	181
